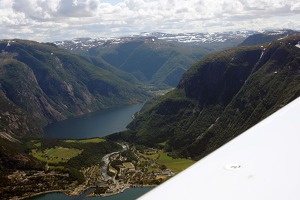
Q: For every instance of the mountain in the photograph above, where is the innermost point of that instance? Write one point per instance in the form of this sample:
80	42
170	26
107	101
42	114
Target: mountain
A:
40	84
156	59
200	39
212	40
267	36
153	62
218	98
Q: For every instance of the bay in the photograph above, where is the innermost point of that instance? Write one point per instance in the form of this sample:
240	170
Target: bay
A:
95	124
128	194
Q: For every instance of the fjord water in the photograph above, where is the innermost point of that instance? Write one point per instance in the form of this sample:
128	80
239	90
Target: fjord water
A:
96	124
128	194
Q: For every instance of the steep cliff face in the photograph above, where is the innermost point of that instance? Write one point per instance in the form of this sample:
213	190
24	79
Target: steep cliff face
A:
14	122
220	76
274	83
220	97
40	83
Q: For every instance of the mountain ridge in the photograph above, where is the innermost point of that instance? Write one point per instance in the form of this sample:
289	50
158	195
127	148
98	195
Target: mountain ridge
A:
183	38
267	36
205	111
157	59
48	84
153	62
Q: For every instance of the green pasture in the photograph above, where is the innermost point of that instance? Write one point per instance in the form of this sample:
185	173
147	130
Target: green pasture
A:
177	165
149	156
56	155
91	140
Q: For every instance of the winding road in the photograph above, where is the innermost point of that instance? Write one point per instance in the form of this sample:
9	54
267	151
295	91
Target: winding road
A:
106	161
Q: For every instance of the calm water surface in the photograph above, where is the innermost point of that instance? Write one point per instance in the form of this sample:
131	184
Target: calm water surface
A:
96	124
128	194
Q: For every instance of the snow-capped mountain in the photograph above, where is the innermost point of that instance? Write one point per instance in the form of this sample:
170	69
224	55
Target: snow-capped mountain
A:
180	38
200	37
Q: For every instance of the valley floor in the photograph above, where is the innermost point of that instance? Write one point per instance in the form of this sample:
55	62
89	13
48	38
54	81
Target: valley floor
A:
119	170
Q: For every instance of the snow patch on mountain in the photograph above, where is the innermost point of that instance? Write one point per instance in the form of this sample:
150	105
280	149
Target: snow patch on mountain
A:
184	38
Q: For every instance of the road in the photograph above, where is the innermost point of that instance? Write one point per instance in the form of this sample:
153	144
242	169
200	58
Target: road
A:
106	161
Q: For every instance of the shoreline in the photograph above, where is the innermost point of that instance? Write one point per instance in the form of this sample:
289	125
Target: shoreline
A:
88	195
41	193
122	190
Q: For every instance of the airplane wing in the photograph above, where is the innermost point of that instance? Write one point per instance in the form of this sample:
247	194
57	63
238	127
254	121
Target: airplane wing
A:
263	163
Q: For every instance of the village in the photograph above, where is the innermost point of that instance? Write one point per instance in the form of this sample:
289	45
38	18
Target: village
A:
130	167
121	170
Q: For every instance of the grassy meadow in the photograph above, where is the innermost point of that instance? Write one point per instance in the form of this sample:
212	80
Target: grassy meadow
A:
56	155
177	165
90	140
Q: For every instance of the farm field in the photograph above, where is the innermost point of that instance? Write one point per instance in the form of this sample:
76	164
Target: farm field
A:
56	155
91	140
149	156
61	151
177	165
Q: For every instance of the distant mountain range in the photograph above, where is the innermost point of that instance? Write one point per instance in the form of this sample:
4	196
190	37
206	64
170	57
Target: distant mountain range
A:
156	59
184	38
219	97
234	37
160	59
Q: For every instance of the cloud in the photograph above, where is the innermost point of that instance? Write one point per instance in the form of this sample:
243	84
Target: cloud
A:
49	9
65	19
36	10
79	8
296	7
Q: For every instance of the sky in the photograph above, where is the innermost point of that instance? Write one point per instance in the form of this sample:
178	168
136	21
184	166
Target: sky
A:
53	20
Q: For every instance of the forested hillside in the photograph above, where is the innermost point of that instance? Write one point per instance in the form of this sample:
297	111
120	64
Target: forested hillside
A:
156	59
152	61
40	83
220	97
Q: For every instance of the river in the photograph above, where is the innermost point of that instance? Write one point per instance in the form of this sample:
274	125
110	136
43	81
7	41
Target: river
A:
95	124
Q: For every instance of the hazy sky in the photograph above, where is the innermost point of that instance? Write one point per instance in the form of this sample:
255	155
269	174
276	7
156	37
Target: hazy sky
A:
50	20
